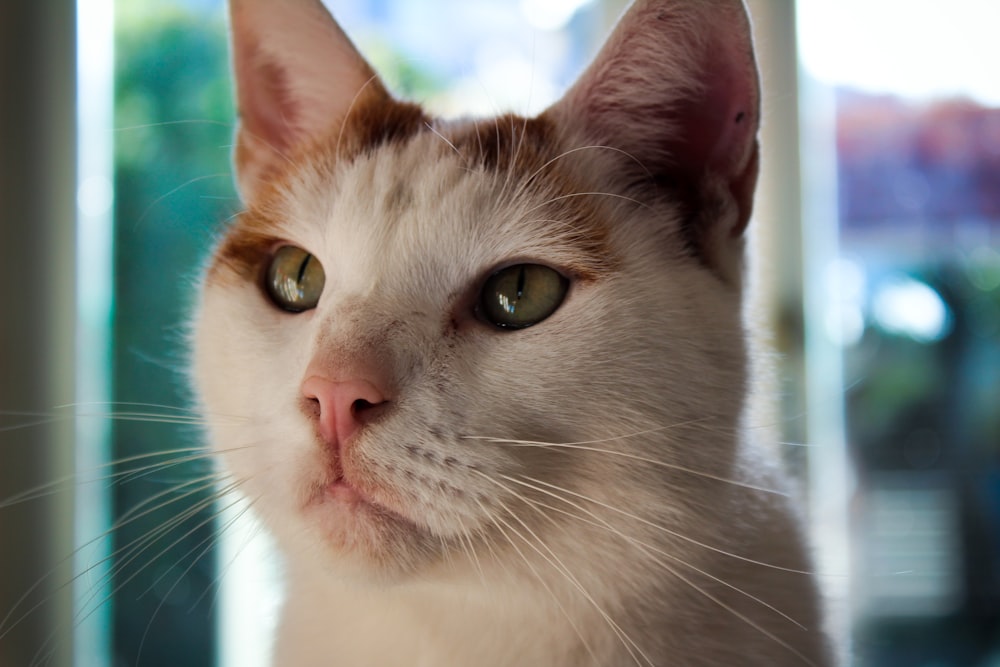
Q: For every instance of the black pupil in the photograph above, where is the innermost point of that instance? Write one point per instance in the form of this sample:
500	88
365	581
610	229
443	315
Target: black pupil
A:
302	269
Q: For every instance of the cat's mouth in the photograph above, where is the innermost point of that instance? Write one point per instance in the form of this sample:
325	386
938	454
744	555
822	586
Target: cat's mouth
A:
345	506
360	531
340	491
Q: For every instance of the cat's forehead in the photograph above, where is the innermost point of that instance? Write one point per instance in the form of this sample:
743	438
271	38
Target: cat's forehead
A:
451	198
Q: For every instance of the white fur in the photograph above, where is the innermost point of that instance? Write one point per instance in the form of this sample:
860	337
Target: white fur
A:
646	559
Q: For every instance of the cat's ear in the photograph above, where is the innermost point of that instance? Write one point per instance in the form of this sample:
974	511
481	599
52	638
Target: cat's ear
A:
297	78
676	87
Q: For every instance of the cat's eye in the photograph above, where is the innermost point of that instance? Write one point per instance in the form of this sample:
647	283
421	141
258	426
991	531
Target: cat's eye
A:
522	295
295	279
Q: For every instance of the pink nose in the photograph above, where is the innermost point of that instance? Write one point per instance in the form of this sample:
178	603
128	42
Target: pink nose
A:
343	406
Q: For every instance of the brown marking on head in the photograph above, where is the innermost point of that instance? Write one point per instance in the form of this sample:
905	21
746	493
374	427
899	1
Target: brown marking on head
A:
374	120
243	251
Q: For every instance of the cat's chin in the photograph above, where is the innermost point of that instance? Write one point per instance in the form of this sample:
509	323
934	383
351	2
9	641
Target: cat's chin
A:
367	537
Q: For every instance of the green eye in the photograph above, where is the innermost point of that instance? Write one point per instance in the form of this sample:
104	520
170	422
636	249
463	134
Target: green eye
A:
294	279
522	295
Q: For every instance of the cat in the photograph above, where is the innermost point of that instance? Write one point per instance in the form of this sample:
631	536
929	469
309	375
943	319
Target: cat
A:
490	375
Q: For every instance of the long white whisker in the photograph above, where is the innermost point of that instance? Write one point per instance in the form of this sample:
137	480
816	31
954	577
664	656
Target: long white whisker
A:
465	540
7	626
204	546
658	527
647	547
539	577
563	569
350	110
599	522
141	546
559	567
578	149
445	140
196	454
613	195
172	191
626	436
636	457
223	571
168	123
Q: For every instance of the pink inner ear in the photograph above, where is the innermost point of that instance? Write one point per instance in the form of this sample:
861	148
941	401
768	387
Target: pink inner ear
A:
297	77
676	88
723	126
266	106
718	127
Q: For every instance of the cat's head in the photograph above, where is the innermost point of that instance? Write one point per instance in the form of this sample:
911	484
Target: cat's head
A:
410	308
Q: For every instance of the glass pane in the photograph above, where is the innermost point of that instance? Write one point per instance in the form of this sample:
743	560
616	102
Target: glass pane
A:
173	118
917	314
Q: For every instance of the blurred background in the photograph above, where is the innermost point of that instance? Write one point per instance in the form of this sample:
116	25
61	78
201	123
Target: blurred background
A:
876	269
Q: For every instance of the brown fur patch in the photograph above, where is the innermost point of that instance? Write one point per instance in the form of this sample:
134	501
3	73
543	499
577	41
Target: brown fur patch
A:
245	248
522	154
374	121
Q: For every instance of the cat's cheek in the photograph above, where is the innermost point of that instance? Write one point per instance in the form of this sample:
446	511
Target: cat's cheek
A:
238	381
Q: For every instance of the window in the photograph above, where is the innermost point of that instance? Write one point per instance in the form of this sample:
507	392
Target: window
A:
912	301
878	220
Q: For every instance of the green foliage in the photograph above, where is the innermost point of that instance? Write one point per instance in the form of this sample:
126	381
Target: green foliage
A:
173	118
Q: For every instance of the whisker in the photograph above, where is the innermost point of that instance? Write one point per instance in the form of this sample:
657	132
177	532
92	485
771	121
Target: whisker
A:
147	542
465	540
151	418
350	110
133	514
205	546
223	571
127	404
564	570
578	149
613	195
139	547
168	123
647	547
743	617
122	522
635	457
7	625
445	140
635	434
172	191
43	490
658	527
603	524
175	415
30	424
559	567
540	578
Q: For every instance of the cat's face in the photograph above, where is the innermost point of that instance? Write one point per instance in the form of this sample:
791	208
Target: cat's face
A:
409	308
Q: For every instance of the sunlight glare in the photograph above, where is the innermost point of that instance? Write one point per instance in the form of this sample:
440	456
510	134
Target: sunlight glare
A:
912	48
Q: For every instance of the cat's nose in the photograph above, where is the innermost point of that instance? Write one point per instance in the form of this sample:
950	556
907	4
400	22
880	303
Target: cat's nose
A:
343	406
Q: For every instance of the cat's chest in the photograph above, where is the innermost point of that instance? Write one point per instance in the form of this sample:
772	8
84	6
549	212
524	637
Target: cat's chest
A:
430	626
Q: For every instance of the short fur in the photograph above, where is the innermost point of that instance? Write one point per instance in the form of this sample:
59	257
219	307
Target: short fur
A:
579	492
